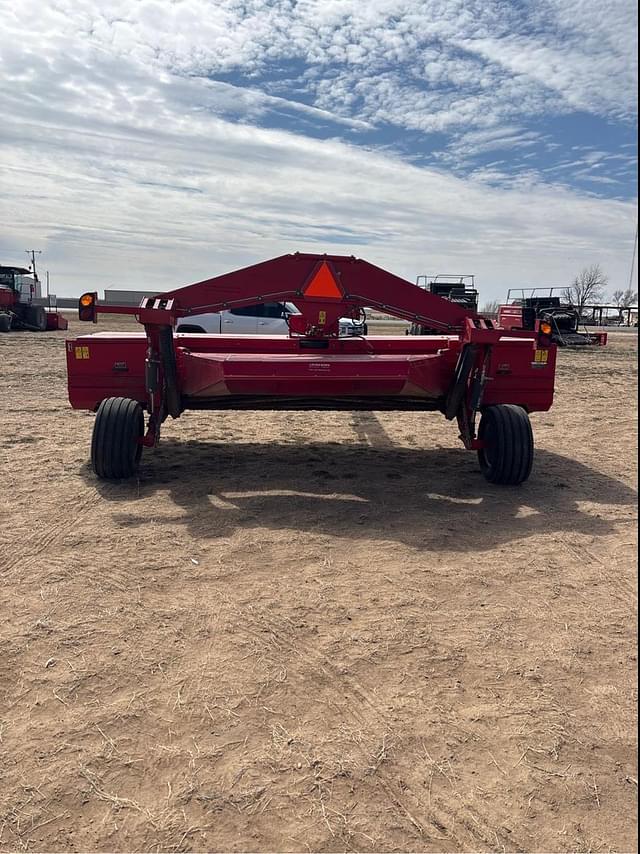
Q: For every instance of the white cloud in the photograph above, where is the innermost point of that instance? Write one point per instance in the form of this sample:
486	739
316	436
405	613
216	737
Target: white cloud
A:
598	179
126	169
464	147
421	64
596	82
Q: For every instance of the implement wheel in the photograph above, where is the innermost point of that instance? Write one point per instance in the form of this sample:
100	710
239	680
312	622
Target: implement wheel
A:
115	445
508	455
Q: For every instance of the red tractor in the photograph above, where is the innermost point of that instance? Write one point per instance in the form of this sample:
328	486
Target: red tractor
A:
20	297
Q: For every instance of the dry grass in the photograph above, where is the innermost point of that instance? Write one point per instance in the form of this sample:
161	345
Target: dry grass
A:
327	633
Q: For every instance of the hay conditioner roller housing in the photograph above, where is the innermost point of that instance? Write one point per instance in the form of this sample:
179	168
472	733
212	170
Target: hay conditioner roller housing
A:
486	378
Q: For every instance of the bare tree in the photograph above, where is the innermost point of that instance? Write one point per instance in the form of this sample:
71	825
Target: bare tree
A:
587	287
491	307
624	299
629	298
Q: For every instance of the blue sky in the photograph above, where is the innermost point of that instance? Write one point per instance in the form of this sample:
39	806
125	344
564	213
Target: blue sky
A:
156	143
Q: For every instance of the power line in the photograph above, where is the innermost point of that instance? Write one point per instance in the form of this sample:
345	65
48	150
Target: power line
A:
33	253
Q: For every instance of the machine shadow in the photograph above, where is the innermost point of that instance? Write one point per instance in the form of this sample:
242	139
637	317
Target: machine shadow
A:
433	499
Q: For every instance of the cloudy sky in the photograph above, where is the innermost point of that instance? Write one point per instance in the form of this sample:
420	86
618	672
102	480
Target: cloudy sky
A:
155	143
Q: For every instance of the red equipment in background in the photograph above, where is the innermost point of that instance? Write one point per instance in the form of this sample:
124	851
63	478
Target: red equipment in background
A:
20	306
468	367
547	309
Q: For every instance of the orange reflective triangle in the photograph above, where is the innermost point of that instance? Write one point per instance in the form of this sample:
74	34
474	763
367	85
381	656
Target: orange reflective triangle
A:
323	284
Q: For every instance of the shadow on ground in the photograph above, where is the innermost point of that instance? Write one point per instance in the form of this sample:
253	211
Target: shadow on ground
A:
432	499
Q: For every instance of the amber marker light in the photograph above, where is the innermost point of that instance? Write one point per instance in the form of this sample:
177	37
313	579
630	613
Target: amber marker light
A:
87	307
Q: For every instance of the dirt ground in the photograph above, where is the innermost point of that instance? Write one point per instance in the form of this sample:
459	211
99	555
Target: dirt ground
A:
317	631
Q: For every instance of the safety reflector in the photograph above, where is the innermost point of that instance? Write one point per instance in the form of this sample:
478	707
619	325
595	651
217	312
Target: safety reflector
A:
323	284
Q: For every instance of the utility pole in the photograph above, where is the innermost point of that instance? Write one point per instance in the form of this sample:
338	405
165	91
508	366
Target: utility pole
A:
633	258
33	253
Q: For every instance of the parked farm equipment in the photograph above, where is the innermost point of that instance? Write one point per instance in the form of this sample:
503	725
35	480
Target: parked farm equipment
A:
458	289
469	369
20	303
528	308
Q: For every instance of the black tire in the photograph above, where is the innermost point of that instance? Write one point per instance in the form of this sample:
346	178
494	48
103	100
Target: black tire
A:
37	318
508	456
115	445
5	322
190	327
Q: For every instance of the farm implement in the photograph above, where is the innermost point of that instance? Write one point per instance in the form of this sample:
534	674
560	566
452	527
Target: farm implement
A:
459	289
528	307
20	298
486	378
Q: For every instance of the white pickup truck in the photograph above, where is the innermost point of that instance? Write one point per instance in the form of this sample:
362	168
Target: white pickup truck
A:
269	318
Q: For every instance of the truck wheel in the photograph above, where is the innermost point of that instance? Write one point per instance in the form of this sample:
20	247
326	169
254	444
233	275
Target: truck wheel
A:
508	455
115	445
5	322
37	317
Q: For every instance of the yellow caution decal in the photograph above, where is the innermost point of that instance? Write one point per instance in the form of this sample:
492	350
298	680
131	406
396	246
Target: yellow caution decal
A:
82	352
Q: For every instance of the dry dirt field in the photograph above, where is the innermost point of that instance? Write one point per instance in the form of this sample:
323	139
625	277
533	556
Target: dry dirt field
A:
317	632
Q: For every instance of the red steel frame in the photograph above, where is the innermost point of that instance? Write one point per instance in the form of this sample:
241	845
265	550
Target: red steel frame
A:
470	365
